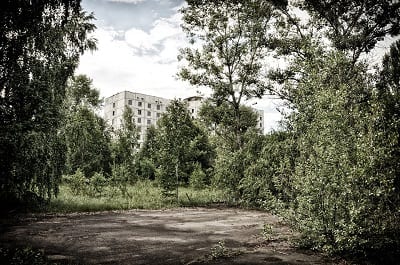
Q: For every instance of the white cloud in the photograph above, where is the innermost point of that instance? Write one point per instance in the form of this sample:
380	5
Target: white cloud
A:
140	61
127	1
146	62
138	39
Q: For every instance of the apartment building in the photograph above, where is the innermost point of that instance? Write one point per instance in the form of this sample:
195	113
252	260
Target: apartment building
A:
147	110
193	105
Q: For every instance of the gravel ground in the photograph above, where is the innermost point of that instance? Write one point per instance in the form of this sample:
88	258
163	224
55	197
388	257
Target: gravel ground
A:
173	236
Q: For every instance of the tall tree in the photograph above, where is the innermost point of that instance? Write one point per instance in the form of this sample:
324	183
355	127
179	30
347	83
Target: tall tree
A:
125	145
40	45
231	39
355	27
86	136
147	155
175	137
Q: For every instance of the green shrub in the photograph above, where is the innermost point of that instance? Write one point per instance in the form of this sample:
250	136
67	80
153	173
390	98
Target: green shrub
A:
97	184
198	177
77	182
120	178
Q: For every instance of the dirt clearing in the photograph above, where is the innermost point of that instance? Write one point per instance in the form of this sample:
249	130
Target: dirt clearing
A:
173	236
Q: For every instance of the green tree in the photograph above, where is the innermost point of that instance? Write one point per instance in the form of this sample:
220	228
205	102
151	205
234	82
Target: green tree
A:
341	191
177	139
230	162
355	27
86	136
125	145
147	155
220	121
40	45
233	37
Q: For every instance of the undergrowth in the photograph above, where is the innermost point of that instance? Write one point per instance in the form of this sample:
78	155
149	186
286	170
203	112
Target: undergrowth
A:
142	195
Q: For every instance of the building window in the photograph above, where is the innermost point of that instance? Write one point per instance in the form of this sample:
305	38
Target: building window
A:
113	104
149	105
260	118
139	112
113	121
139	120
158	115
139	128
192	110
158	107
113	112
260	125
139	104
130	102
149	113
148	122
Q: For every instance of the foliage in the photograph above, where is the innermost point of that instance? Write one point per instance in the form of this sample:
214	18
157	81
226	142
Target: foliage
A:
232	38
125	146
22	256
342	198
355	27
343	187
267	182
87	142
220	120
267	231
144	195
77	182
40	44
120	178
147	155
97	184
181	144
197	179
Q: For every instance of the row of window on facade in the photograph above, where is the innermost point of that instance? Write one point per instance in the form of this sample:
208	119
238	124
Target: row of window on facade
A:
140	104
139	112
139	120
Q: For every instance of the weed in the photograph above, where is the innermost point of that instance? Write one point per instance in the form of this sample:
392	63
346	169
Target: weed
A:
219	250
267	231
142	195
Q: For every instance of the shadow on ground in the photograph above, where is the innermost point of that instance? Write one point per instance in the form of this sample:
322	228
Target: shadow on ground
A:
173	236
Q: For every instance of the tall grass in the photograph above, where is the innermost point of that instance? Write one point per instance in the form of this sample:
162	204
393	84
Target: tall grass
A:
142	195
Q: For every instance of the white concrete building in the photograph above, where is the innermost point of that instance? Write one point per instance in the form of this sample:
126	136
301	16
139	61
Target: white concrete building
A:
193	104
147	110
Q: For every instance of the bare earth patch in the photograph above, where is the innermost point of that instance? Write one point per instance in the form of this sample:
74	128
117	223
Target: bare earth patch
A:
173	236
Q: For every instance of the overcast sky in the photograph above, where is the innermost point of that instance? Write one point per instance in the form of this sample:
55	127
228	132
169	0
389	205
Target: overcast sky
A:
138	42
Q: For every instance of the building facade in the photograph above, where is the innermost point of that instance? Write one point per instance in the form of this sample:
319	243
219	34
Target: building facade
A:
147	110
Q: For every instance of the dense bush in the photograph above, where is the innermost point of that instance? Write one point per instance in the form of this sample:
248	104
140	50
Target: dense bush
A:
77	182
198	177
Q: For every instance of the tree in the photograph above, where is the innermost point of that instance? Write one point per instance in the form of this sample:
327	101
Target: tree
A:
221	122
232	36
86	136
179	142
147	155
40	44
356	26
341	189
125	146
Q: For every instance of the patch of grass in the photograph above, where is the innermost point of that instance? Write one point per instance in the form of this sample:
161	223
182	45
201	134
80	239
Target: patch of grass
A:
26	256
142	195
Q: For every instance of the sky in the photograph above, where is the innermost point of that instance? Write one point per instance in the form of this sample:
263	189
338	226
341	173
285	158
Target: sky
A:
137	49
138	43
